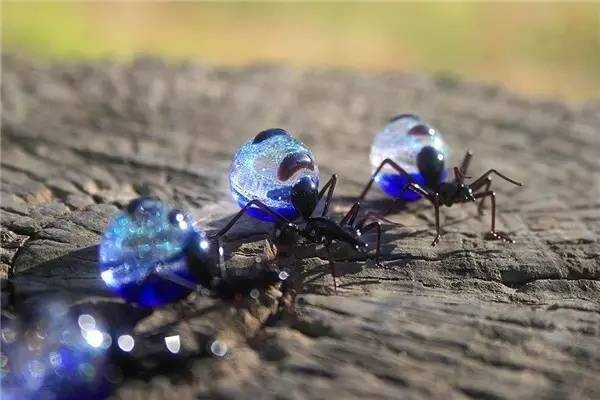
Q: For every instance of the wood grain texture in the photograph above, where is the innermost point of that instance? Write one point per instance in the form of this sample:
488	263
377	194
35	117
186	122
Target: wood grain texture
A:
469	318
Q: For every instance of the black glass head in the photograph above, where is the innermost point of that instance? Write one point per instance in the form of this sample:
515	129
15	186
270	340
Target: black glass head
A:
304	196
402	116
266	134
421	130
431	165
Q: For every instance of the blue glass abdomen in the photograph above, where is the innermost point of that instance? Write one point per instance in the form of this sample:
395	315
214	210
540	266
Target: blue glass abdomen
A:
401	140
266	168
144	243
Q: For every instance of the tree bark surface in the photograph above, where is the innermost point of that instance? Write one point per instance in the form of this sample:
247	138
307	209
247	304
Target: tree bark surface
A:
470	318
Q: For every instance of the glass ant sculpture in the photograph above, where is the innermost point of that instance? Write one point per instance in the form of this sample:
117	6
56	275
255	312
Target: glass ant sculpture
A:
152	254
416	139
274	177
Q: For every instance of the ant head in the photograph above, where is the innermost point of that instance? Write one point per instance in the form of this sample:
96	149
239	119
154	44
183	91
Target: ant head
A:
430	162
304	196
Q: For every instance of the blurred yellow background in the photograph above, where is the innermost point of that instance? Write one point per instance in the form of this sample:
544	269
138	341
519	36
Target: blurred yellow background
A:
547	50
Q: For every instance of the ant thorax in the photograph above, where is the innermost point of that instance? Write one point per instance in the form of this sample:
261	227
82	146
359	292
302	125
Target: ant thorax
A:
450	193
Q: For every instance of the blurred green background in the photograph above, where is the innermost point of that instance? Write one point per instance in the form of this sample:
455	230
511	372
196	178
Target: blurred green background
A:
540	49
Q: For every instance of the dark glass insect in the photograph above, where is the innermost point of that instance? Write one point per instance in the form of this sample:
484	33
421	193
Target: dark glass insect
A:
401	140
152	254
431	166
296	179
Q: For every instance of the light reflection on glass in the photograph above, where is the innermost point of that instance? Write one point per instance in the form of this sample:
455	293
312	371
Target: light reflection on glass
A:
204	244
126	343
94	337
218	348
55	359
8	335
108	278
106	341
36	368
86	322
283	275
173	343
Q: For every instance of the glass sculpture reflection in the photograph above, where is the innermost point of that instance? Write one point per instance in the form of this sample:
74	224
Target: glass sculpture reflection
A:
266	168
144	243
401	140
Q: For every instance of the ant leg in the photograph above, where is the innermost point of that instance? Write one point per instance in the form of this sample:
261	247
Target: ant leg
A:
393	206
436	205
331	186
459	177
493	233
418	189
377	226
280	218
465	163
372	215
387	161
488	183
434	198
351	215
168	276
332	268
479	182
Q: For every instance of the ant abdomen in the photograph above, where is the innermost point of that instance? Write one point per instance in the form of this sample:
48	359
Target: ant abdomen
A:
401	141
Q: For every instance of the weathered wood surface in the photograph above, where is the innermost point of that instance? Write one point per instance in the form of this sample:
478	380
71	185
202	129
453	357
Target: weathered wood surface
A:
469	318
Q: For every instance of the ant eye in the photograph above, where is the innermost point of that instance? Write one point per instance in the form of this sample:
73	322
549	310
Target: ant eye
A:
294	163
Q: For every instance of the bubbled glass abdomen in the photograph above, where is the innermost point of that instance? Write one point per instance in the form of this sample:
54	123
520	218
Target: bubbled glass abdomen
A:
401	140
266	168
144	245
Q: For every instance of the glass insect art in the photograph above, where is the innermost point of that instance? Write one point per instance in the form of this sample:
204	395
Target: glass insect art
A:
410	158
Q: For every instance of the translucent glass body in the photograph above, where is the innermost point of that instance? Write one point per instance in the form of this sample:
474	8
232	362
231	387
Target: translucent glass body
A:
255	174
150	238
401	140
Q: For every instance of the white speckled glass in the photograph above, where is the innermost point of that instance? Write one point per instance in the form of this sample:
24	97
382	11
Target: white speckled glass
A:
253	174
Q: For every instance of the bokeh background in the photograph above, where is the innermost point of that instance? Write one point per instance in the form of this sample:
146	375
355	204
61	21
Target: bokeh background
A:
549	50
